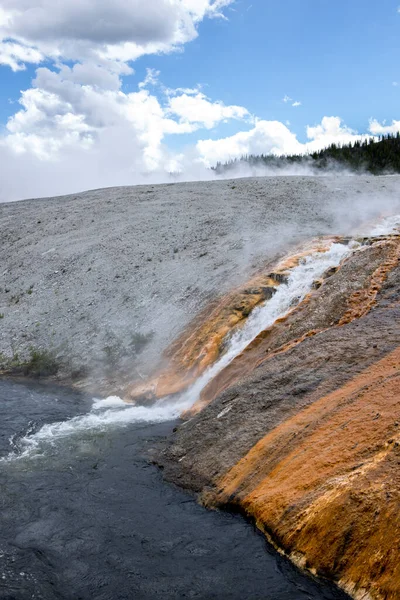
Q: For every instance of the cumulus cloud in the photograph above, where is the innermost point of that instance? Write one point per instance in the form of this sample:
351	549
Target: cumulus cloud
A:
273	137
71	107
150	79
77	119
17	55
68	137
197	108
331	130
76	106
266	137
377	128
77	127
93	29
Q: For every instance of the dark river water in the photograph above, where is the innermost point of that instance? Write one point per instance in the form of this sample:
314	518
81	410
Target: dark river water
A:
87	517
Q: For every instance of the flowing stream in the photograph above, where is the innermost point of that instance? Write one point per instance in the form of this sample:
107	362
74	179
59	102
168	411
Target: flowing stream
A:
114	413
84	515
91	519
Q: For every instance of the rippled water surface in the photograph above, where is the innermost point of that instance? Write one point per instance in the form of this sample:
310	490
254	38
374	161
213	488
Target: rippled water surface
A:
90	518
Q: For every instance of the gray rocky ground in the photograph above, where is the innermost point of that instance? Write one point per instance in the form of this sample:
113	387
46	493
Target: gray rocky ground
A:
104	280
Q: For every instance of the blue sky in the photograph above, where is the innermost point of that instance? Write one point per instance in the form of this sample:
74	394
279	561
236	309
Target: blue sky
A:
335	60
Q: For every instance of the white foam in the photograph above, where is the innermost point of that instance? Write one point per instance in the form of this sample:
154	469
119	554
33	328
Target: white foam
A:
110	402
100	418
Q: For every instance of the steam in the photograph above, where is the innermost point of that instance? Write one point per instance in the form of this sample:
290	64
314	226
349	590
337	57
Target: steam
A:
52	178
386	225
113	412
242	169
369	212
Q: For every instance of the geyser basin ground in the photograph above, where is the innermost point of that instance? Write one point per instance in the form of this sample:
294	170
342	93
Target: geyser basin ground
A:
105	280
91	518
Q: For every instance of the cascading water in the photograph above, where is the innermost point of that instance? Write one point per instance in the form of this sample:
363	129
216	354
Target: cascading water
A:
114	412
286	297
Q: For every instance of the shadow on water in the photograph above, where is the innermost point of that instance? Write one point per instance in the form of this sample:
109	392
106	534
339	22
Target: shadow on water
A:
91	519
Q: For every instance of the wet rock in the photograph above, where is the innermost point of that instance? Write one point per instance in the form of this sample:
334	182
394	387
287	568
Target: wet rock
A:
330	272
279	277
268	292
115	230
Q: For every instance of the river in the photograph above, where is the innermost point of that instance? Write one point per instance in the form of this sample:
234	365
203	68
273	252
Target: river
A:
87	516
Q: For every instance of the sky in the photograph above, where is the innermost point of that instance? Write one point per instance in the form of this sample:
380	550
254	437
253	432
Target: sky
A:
100	93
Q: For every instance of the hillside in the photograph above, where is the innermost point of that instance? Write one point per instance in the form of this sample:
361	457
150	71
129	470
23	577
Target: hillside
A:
94	286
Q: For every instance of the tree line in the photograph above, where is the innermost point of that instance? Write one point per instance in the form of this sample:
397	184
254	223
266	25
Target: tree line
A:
371	155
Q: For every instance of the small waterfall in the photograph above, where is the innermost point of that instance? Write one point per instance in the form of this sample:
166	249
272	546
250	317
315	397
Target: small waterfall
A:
287	296
114	412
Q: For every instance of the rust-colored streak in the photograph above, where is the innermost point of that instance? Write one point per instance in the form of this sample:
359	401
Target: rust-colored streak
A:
293	328
326	483
361	302
202	343
200	346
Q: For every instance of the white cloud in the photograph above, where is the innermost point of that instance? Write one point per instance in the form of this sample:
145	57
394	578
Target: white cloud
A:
77	106
181	90
273	137
199	109
77	127
70	100
80	110
16	55
266	137
150	79
102	75
377	128
287	99
331	130
92	29
107	137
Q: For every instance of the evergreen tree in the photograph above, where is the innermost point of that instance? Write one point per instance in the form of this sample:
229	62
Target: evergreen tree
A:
371	156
